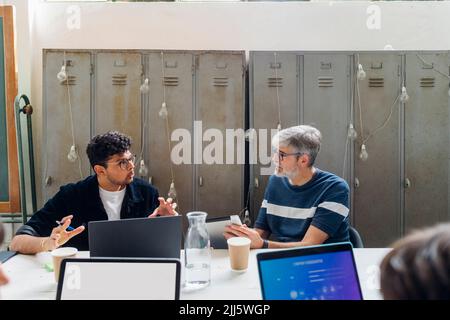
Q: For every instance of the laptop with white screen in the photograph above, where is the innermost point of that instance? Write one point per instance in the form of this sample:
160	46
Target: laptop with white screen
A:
119	279
325	272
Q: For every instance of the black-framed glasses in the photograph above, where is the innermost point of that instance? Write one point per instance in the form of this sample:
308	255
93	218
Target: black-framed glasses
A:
282	155
125	164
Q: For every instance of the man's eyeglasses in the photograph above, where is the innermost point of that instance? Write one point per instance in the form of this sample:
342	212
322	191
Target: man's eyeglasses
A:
125	164
282	155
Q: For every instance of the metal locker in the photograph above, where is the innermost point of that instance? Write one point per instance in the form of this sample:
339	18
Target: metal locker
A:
118	78
171	81
273	95
60	113
325	104
427	138
377	193
220	106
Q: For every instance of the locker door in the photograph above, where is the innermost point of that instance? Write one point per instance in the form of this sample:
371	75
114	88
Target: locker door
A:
117	95
220	106
58	170
377	198
326	104
178	86
273	83
426	140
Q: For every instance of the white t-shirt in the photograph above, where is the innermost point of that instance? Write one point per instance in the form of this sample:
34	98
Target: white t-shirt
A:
112	201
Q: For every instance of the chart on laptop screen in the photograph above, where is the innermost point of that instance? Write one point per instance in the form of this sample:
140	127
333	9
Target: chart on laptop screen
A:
325	276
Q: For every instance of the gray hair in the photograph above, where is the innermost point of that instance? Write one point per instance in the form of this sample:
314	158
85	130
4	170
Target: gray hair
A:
304	139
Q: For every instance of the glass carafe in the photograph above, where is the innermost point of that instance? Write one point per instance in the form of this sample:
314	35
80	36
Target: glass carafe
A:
197	253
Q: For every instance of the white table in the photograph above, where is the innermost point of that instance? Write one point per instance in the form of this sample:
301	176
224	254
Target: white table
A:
29	279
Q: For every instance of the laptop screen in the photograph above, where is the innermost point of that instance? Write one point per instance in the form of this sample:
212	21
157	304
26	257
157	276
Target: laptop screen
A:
326	272
114	279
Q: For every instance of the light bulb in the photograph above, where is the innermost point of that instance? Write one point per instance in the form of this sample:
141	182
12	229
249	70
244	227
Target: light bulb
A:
163	113
404	95
247	221
172	191
363	155
72	155
62	75
352	134
143	170
145	88
279	126
361	75
250	135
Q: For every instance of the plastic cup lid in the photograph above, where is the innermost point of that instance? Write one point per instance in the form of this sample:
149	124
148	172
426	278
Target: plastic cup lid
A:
239	241
62	252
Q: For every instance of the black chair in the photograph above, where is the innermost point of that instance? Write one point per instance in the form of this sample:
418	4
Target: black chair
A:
355	238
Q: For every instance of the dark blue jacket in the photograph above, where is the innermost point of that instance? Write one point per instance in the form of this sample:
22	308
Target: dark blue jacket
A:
82	200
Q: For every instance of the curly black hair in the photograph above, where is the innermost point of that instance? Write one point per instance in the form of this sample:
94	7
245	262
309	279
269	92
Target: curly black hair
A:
104	146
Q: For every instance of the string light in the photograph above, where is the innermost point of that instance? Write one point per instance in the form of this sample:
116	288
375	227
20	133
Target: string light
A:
351	133
404	95
247	221
363	154
163	113
361	74
250	135
143	170
172	191
145	88
72	155
62	75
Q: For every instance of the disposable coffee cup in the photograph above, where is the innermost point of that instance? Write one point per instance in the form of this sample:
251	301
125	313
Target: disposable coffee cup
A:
239	249
59	255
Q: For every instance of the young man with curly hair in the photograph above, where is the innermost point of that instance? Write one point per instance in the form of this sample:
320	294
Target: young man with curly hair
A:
112	193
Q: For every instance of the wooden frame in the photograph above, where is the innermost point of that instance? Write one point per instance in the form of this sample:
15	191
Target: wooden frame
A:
13	205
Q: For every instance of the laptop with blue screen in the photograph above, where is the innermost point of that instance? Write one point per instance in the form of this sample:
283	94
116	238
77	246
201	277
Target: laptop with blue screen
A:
325	272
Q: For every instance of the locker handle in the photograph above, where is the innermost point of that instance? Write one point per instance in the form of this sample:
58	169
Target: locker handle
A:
48	181
407	183
256	183
200	181
356	184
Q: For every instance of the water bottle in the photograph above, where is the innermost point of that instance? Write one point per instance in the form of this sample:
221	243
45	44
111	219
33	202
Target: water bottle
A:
197	253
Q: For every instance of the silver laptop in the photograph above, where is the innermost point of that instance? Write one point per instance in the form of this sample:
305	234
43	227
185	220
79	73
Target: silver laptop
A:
119	279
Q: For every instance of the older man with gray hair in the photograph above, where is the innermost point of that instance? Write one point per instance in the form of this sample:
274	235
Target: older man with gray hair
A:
302	205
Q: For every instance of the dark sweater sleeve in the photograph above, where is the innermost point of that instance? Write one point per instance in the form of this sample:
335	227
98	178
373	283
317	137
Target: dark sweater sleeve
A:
42	222
155	201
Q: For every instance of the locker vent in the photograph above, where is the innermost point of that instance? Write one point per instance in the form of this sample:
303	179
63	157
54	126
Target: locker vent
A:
325	82
274	82
376	82
427	82
119	80
71	81
220	81
171	81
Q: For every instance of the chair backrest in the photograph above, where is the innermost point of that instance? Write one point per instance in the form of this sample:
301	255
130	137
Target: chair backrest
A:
355	238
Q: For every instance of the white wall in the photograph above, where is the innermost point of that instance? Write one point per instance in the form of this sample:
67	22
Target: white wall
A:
219	26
